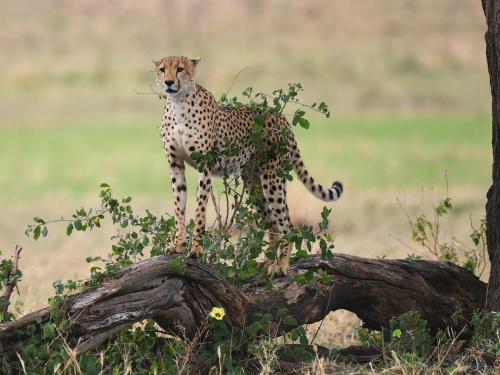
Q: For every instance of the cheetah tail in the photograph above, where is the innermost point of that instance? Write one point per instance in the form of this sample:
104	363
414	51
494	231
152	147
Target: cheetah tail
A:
331	194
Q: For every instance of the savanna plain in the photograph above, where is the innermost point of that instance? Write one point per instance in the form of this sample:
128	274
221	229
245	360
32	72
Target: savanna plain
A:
406	82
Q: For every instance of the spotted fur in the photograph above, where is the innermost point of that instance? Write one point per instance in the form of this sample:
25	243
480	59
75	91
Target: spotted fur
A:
194	122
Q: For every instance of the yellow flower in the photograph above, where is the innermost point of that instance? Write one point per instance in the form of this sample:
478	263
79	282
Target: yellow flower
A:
217	313
93	266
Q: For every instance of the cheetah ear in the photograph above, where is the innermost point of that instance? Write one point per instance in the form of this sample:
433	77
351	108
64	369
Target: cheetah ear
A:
195	61
156	62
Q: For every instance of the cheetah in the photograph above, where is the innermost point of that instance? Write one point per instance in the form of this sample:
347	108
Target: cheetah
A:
193	121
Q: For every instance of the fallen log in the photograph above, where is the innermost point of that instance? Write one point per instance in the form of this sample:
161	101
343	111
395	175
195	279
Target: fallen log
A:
180	299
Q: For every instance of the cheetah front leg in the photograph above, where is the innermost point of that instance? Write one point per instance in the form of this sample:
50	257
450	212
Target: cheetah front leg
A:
177	174
202	192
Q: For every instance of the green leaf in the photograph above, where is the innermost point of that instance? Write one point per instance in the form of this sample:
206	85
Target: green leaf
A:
196	156
48	330
69	229
36	232
289	320
301	254
304	123
89	365
309	275
260	120
326	254
177	265
299	279
78	225
396	333
58	286
323	245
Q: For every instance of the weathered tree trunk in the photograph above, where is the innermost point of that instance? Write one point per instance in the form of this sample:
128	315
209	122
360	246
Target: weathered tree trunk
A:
11	281
492	12
179	300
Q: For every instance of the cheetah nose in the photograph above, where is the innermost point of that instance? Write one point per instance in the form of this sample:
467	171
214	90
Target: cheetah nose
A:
169	83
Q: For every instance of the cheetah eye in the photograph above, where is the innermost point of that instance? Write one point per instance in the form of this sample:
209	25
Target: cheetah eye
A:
179	69
162	70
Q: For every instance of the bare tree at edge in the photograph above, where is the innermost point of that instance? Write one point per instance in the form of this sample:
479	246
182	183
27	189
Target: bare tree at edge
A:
492	12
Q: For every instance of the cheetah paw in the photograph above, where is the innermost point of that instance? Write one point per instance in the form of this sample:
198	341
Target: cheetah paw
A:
196	249
278	268
178	248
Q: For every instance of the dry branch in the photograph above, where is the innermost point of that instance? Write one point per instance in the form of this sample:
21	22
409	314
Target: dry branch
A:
11	281
180	300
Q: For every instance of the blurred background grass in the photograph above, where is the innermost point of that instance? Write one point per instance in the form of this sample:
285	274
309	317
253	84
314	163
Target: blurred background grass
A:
407	83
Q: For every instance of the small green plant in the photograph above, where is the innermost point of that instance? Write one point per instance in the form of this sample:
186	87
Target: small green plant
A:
427	234
486	334
10	276
408	347
407	333
410	334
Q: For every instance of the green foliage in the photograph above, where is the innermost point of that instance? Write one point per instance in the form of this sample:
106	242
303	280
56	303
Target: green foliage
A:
234	245
410	334
142	348
236	260
7	276
408	347
137	348
427	233
204	160
486	333
177	265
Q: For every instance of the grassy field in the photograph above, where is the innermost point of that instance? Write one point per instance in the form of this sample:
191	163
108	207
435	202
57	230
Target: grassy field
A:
407	82
379	158
367	153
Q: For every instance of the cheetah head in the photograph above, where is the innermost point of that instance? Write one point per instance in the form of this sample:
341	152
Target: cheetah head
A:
175	74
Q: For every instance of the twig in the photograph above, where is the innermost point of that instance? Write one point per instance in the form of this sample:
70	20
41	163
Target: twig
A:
327	308
152	92
480	251
408	246
295	101
11	280
217	209
408	218
237	204
234	79
227	190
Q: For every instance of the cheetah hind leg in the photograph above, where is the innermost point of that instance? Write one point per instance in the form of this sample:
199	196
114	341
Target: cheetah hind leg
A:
196	249
274	191
280	266
267	210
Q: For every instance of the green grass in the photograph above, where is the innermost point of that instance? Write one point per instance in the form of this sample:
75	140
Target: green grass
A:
367	153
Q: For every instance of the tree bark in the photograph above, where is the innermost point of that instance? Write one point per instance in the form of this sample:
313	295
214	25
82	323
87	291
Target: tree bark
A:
11	281
492	12
179	300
